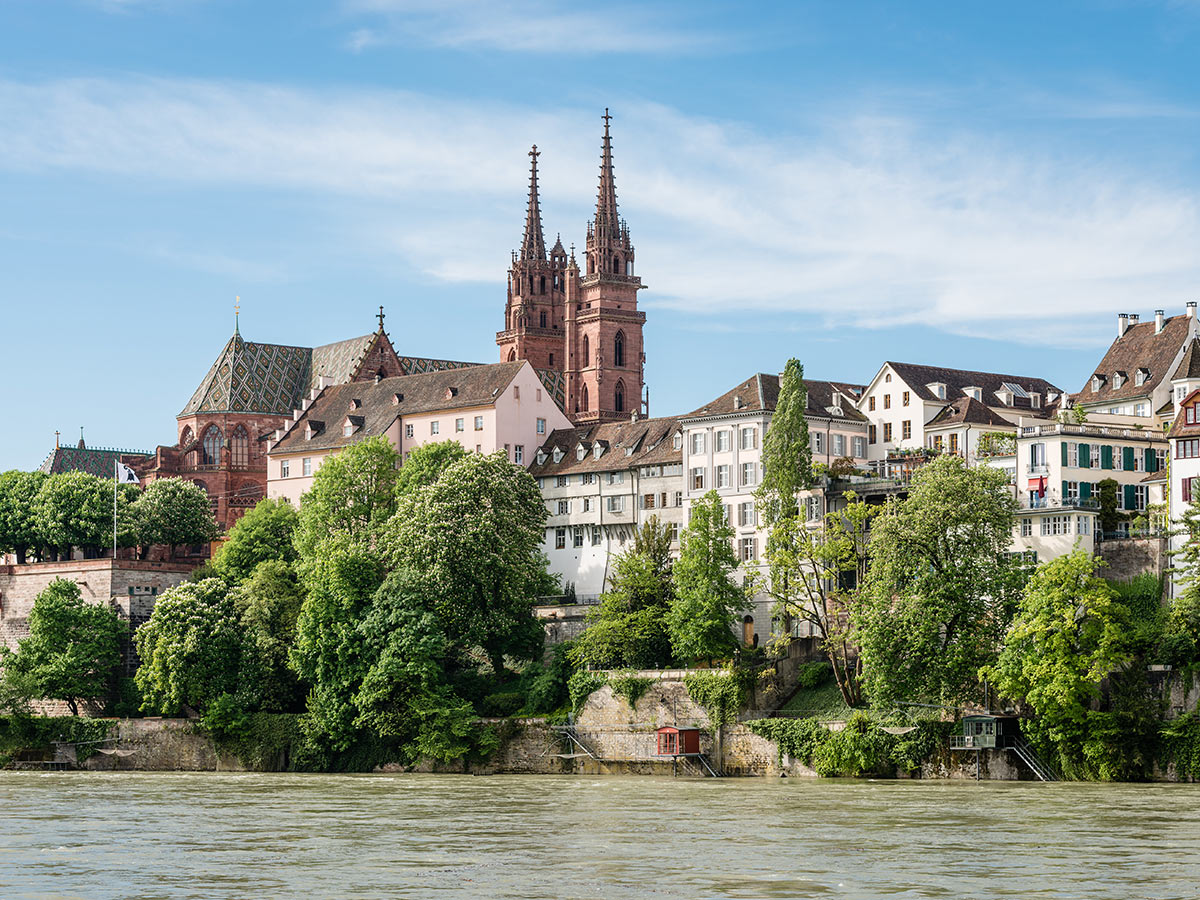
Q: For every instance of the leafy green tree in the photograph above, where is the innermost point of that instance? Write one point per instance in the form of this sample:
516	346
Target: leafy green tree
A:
475	536
941	591
787	451
1109	516
74	509
352	497
263	533
628	629
426	464
176	511
268	604
18	516
701	616
73	647
190	648
1069	634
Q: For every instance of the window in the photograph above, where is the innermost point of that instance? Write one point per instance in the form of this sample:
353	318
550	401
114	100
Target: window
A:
723	441
648	501
587	352
698	478
479	448
1140	496
887	401
677	442
1055	525
1070	491
1037	455
887	432
871	404
679	498
722	476
619	397
347	429
746	516
616	477
749	474
460	425
906	430
954	442
870	435
616	504
435	427
306	466
560	538
564	507
211	446
749	438
239	447
587	478
904	398
1141	409
812	509
674	532
1073	455
595	536
577	536
748	549
1185	486
1085	525
408	431
697	442
839	445
1095	456
818	442
562	480
1027	528
888	378
860	446
479	423
285	468
937	443
619	350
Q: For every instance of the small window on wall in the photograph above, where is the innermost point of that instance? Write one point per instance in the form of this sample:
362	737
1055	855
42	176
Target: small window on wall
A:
306	466
285	468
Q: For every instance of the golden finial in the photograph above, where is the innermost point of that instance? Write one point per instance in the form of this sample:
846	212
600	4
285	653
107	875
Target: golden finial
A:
237	311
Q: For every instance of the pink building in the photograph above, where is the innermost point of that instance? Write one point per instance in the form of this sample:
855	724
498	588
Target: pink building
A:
503	406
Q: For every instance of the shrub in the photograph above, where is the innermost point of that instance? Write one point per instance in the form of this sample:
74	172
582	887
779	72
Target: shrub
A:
630	688
503	704
813	674
581	685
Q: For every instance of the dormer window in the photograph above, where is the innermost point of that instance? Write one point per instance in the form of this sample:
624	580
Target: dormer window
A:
558	455
597	450
347	430
356	403
1097	383
397	399
677	441
580	452
974	393
1035	400
541	457
451	392
1142	376
1005	397
1118	380
938	389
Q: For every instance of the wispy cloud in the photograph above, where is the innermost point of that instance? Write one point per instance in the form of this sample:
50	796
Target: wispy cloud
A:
864	221
525	26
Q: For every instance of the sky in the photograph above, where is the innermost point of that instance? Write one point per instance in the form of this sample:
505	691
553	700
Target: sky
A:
971	185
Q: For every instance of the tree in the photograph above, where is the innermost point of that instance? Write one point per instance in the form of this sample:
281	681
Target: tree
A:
74	509
190	648
816	575
18	517
352	497
426	464
263	533
73	647
629	627
787	452
1070	633
707	600
176	511
268	605
475	535
941	589
1109	516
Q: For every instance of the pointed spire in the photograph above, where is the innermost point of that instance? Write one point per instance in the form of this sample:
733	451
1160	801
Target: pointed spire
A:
381	320
606	200
534	245
237	312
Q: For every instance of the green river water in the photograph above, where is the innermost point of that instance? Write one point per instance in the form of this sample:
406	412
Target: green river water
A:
143	835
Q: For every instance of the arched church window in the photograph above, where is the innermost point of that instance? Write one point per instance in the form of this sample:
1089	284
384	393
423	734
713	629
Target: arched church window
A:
512	355
542	318
587	353
240	447
211	449
619	397
619	350
583	399
186	437
616	265
542	284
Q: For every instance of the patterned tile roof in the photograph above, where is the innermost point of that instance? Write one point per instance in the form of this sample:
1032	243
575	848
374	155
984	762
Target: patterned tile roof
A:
99	461
555	384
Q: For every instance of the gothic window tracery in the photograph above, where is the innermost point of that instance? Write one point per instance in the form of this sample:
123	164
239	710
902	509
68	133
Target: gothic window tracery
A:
619	397
587	353
240	447
210	451
583	399
619	350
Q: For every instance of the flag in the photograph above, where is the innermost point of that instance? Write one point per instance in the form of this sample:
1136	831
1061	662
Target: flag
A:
126	475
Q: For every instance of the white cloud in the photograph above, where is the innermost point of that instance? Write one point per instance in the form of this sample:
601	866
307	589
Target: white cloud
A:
861	221
523	26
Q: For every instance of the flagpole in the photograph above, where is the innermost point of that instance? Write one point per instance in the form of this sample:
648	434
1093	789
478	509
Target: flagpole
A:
116	478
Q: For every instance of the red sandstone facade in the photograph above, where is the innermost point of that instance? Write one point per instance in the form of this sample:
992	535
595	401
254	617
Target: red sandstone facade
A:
585	325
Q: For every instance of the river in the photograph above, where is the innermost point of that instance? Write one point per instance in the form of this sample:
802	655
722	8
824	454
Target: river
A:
144	835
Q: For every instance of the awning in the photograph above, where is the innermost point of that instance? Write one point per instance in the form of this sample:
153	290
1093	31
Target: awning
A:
1037	484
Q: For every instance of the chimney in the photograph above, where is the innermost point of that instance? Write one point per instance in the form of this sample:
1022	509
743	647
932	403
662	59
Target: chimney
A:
1134	318
1158	321
1122	324
1191	309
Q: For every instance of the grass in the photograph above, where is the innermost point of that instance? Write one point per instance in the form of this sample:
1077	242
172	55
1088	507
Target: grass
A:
822	702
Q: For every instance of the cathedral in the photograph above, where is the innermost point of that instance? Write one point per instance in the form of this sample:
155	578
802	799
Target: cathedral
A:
582	331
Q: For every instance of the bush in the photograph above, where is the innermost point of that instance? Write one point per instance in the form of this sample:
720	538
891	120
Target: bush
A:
630	688
721	694
861	748
813	674
503	704
581	685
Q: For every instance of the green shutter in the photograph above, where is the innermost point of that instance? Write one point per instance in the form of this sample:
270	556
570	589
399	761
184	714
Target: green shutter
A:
1106	456
1064	492
1085	490
1063	444
1085	456
1130	496
1127	459
1151	460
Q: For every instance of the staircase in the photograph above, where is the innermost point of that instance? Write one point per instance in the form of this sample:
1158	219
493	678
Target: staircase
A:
714	772
1026	754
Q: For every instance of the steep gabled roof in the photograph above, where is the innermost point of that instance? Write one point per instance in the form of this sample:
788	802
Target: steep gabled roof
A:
968	411
1189	366
651	440
1181	427
1138	347
991	384
760	393
98	461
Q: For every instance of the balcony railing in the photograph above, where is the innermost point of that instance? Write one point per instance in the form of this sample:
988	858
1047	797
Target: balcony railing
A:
1111	431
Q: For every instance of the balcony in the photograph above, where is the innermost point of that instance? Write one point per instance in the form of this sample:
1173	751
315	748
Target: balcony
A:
1051	429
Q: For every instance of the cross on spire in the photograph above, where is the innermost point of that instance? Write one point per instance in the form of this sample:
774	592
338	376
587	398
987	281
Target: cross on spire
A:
381	319
533	246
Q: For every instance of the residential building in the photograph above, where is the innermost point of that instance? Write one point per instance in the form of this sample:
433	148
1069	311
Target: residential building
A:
503	406
969	429
601	483
581	330
903	399
1135	377
1184	486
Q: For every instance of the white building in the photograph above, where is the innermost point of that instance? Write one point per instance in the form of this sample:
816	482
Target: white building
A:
1184	438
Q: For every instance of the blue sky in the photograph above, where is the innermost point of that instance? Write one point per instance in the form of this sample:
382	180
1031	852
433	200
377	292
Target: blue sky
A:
972	185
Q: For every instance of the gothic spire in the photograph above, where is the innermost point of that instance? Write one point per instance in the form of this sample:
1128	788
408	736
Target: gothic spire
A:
606	201
533	247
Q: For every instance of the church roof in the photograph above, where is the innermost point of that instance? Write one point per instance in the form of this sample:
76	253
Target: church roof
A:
99	461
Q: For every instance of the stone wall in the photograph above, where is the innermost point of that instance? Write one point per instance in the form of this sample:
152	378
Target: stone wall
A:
562	622
1127	557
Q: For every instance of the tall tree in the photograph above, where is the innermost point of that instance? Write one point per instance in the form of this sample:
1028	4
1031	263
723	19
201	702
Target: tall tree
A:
475	534
787	453
629	626
74	509
941	588
707	599
268	605
18	517
352	497
190	648
176	511
263	533
73	647
426	464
